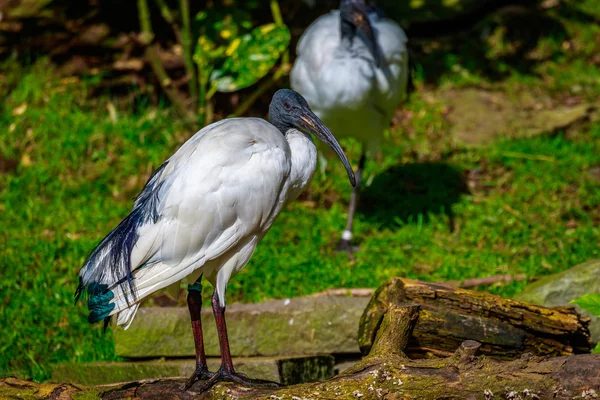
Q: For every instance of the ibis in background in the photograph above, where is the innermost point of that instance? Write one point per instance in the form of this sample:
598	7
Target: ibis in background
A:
202	213
352	68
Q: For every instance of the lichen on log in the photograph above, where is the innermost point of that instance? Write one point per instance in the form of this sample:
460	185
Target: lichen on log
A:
395	330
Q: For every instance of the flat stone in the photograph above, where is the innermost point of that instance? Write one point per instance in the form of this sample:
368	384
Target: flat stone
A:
319	324
477	115
560	288
286	370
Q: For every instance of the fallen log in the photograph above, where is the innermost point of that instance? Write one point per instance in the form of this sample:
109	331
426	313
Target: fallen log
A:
505	328
386	373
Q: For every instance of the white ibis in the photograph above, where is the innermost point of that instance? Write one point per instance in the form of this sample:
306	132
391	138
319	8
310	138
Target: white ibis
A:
352	68
202	213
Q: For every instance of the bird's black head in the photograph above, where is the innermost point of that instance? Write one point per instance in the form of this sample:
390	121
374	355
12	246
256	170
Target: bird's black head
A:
286	108
289	110
354	15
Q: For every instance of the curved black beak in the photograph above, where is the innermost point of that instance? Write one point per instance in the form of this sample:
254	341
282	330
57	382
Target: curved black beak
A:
359	17
309	122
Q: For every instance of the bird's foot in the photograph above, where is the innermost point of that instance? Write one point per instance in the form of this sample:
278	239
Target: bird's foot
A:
347	247
231	376
200	374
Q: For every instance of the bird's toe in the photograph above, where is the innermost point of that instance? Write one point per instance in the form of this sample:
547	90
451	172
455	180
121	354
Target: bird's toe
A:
235	377
200	374
344	246
244	380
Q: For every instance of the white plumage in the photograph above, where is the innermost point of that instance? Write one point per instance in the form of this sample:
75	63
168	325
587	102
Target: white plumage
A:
353	79
213	211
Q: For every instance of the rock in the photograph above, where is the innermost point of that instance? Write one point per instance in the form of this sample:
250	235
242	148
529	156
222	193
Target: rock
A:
478	116
299	326
560	288
286	370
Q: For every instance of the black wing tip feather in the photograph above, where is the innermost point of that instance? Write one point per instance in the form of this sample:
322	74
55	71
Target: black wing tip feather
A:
121	240
79	291
117	263
106	323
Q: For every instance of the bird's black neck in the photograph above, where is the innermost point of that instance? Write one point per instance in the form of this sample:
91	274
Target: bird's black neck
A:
279	124
348	30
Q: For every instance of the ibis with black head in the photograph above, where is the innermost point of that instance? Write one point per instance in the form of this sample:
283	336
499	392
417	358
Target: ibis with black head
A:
202	213
352	68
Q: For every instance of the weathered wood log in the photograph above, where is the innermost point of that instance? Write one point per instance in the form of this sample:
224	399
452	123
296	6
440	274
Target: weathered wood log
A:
384	374
573	377
395	330
505	328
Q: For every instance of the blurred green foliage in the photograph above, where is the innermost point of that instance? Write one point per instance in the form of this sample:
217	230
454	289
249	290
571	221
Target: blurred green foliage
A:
250	57
230	55
591	303
222	51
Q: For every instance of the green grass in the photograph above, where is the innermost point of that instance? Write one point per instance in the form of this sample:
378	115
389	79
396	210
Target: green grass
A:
434	210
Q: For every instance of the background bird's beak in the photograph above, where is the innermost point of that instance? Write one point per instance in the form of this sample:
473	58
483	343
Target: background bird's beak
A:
309	122
360	19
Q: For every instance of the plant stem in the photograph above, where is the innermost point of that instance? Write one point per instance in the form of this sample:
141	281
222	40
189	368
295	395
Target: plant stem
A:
145	23
208	106
184	6
165	11
201	97
151	54
165	82
209	111
276	12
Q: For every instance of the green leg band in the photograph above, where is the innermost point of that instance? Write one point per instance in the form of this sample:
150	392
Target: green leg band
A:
195	286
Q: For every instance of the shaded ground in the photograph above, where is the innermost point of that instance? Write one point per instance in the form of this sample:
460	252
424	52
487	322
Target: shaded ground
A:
406	192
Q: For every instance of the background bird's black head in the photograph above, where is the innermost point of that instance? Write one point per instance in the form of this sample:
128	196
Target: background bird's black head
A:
354	16
286	109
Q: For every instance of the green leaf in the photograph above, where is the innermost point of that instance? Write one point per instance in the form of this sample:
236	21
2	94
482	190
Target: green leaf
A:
205	55
215	29
251	57
596	349
589	302
222	24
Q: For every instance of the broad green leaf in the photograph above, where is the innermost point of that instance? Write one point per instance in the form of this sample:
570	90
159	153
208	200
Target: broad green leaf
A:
251	57
596	349
589	302
205	55
222	24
